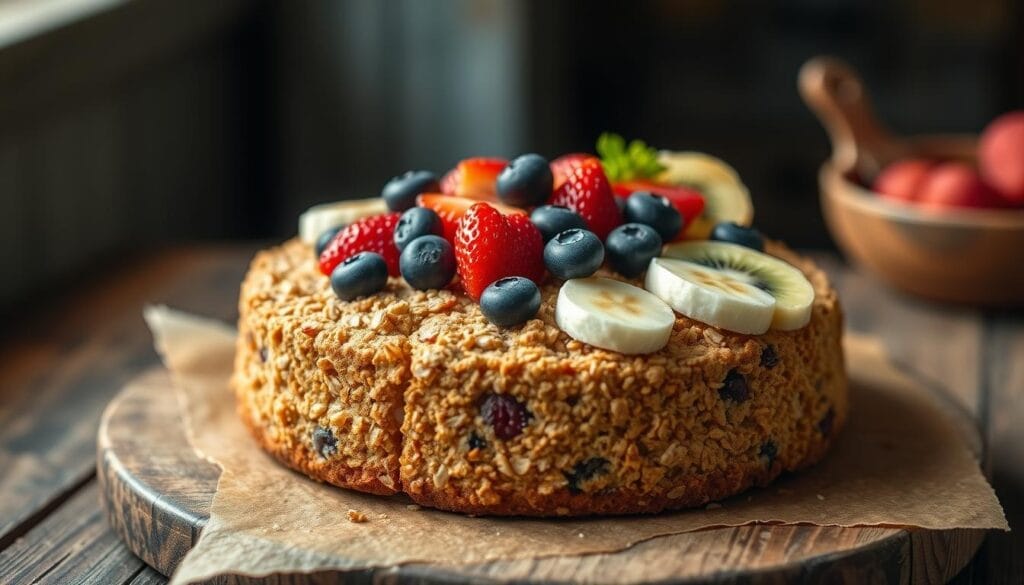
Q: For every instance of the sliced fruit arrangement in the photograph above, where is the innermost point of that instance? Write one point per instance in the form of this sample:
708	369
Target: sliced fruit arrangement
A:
719	283
496	228
614	315
320	218
726	198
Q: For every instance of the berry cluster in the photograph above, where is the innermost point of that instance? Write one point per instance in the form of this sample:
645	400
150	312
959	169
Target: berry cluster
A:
496	227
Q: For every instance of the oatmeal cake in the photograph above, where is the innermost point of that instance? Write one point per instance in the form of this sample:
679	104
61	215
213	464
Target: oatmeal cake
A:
486	395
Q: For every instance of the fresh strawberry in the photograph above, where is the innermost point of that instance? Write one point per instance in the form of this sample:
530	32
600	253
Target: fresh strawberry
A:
587	192
370	234
689	202
474	178
561	166
490	245
450	209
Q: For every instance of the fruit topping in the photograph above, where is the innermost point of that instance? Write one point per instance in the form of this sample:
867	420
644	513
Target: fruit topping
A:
725	196
525	182
416	222
1001	156
474	178
325	238
728	231
510	301
688	202
656	211
734	387
574	253
370	234
561	166
400	192
721	268
490	245
428	262
359	275
325	443
451	209
626	162
613	315
320	218
585	471
506	415
718	298
552	220
587	192
630	248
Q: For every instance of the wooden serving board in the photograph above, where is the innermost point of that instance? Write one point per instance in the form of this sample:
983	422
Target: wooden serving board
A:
156	493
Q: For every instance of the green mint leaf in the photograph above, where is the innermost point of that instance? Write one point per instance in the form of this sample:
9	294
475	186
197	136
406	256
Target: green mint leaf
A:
626	162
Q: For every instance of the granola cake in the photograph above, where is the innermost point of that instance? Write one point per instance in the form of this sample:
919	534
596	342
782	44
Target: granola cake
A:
416	392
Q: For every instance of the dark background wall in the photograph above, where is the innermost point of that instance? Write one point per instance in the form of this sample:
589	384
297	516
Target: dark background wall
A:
153	121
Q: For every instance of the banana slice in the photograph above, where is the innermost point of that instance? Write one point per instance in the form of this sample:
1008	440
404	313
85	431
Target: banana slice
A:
320	218
791	290
726	198
711	296
613	315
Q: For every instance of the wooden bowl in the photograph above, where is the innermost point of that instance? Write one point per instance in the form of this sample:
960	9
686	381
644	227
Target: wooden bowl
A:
971	256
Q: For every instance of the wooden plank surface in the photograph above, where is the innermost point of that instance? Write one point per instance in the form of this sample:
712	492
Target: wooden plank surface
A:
52	394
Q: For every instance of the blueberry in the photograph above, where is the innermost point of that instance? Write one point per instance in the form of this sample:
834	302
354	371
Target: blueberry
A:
552	220
584	471
526	181
416	222
427	262
506	415
325	443
325	239
401	191
574	253
734	387
359	275
655	211
728	231
630	248
769	451
769	359
510	301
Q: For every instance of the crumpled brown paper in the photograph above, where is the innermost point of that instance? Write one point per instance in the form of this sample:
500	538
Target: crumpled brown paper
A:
901	461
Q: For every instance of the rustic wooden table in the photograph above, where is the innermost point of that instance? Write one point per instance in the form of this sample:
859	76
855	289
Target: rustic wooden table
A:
61	363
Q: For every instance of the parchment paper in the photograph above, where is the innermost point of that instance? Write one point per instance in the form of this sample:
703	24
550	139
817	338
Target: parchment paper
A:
901	461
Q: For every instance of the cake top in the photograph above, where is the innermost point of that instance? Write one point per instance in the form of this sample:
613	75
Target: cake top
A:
623	241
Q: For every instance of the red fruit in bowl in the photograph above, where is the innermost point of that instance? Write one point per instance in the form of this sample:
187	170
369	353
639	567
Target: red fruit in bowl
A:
688	202
1001	156
587	192
474	178
490	245
956	184
903	179
451	209
369	234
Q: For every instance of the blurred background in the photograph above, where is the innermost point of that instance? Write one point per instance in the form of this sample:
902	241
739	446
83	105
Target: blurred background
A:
126	125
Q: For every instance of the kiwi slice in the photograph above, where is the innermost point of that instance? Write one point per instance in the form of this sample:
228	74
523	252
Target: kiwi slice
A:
726	198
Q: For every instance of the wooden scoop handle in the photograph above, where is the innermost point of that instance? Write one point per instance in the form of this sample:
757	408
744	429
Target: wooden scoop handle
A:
836	94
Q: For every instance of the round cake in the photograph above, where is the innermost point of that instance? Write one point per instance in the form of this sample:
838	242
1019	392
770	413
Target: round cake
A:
420	392
388	394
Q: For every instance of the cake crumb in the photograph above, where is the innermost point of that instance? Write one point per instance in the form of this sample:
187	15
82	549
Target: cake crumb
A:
821	497
357	517
713	506
580	535
412	507
382	516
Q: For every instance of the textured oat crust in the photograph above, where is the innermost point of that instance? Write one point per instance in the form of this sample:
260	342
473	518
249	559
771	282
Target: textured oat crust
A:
383	395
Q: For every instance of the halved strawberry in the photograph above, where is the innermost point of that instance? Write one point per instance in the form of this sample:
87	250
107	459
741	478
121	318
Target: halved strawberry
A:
587	192
490	245
451	208
474	178
689	202
561	166
369	234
